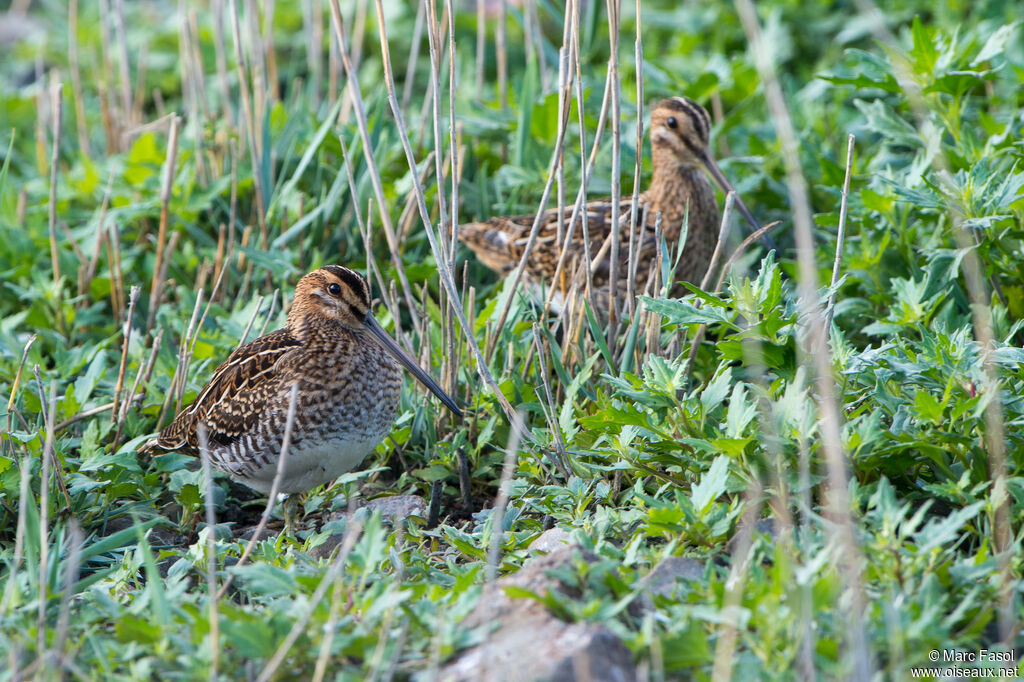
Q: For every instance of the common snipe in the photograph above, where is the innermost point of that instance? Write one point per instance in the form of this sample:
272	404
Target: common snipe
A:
349	383
679	150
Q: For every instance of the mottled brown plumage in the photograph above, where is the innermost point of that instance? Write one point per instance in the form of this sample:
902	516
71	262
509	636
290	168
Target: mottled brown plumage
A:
679	132
348	381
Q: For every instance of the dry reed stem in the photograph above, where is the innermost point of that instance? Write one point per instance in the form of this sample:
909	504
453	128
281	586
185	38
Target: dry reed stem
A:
252	320
157	124
89	271
579	213
481	47
729	628
353	532
24	490
531	240
44	512
185	354
414	54
638	60
220	58
409	211
56	107
320	670
384	634
218	259
257	70
71	570
497	526
448	330
333	575
747	241
723	273
269	54
170	167
313	18
270	312
192	62
433	40
614	12
17	377
116	274
139	102
817	355
389	232
143	375
126	337
275	486
500	503
93	411
124	68
108	103
723	235
40	124
502	55
173	388
563	78
561	462
22	206
211	550
444	274
247	109
73	243
48	416
76	78
840	233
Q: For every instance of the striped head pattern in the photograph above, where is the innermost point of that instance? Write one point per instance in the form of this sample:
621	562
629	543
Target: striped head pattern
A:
681	128
332	292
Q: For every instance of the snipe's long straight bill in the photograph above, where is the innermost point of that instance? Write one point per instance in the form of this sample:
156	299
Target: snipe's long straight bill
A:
723	184
403	358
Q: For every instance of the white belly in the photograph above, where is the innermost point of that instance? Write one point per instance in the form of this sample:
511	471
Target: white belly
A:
308	467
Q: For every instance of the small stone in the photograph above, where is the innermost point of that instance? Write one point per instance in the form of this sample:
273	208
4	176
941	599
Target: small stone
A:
397	507
551	539
537	646
663	580
762	527
393	510
529	643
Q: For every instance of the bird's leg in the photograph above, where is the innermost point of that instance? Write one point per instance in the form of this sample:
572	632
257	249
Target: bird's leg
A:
290	511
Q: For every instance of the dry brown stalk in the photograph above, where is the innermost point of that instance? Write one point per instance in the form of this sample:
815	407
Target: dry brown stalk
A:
56	107
170	167
275	486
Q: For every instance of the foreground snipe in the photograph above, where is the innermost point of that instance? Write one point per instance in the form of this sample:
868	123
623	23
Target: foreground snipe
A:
679	151
348	382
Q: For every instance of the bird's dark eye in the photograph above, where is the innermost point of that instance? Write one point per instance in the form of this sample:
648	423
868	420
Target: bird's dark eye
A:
672	122
334	289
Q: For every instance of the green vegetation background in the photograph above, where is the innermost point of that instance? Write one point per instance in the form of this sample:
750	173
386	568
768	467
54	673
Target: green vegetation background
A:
108	576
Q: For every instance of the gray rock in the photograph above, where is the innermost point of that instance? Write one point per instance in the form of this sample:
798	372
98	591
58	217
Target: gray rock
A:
397	507
550	540
527	642
664	579
393	510
536	646
18	28
762	527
